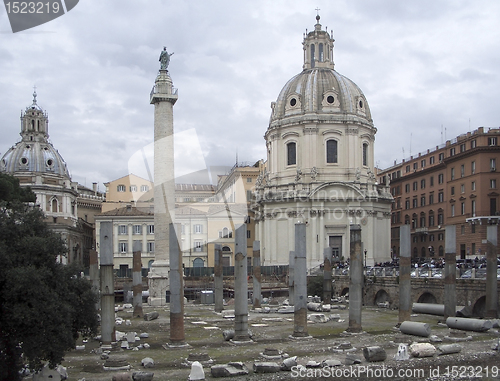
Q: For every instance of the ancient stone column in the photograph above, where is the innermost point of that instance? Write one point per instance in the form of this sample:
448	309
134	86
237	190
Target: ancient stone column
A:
218	279
257	277
450	273
176	290
94	274
163	96
356	280
404	273
491	307
137	279
300	282
107	285
327	275
291	282
241	285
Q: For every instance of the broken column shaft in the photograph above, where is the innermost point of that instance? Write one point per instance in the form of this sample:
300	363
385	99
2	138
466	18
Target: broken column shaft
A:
94	274
241	285
137	279
257	277
218	279
355	280
450	272
291	284
300	282
404	273
491	307
327	275
107	285
176	290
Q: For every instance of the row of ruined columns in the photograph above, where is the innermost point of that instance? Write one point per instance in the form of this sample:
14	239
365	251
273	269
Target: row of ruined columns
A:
297	281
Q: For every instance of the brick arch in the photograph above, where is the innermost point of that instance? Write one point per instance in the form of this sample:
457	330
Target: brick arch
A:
479	308
427	297
381	296
345	291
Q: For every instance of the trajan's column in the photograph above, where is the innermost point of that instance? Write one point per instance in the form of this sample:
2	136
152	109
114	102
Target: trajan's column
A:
163	96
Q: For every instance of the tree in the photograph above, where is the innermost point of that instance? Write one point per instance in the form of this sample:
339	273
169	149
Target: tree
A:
44	305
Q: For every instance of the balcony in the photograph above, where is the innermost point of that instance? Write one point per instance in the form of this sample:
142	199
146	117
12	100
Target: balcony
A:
422	230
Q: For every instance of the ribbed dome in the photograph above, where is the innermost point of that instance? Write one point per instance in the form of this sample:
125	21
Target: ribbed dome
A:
34	153
321	91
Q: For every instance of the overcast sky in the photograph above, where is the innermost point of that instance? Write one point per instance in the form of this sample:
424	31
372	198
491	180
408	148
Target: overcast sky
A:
428	68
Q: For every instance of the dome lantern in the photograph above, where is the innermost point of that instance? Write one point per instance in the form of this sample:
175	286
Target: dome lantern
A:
318	48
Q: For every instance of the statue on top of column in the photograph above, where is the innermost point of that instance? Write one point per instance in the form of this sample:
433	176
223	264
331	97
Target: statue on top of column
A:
164	58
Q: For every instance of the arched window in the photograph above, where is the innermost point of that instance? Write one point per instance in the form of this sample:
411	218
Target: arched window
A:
407	219
331	151
291	150
321	57
54	205
313	47
365	154
441	251
198	262
226	248
422	220
150	263
32	125
38	125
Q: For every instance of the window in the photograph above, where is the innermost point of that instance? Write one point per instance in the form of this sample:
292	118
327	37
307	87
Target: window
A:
121	188
407	168
123	247
407	188
473	144
415	202
291	150
331	151
473	210
249	234
453	210
422	201
226	233
144	188
431	160
462	170
440	178
452	173
493	165
452	191
415	166
493	183
462	147
440	197
422	163
313	48
462	208
133	188
321	56
473	230
365	154
473	167
431	181
441	157
407	204
187	199
452	151
122	229
137	229
462	188
493	206
431	220
473	185
422	184
198	245
440	221
415	185
249	179
151	247
422	221
492	141
441	250
151	229
431	237
431	199
198	228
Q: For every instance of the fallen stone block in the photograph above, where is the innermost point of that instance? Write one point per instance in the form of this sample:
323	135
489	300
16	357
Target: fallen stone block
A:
330	363
148	362
326	308
144	335
448	349
351	359
124	345
286	310
228	314
131	337
142	376
116	364
151	316
335	317
289	363
314	307
468	324
122	377
318	318
422	350
228	334
197	372
374	353
128	306
415	328
229	370
313	364
265	367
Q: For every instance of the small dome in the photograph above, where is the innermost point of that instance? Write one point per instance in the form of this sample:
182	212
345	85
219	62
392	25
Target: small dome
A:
322	90
34	153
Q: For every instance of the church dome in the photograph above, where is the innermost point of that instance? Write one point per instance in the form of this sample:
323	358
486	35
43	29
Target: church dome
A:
34	153
319	92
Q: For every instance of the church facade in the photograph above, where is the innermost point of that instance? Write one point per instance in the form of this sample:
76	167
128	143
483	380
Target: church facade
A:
320	166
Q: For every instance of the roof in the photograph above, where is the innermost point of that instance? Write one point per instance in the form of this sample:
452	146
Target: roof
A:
126	211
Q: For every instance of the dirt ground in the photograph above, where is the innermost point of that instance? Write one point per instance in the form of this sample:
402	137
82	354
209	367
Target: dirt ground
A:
203	332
